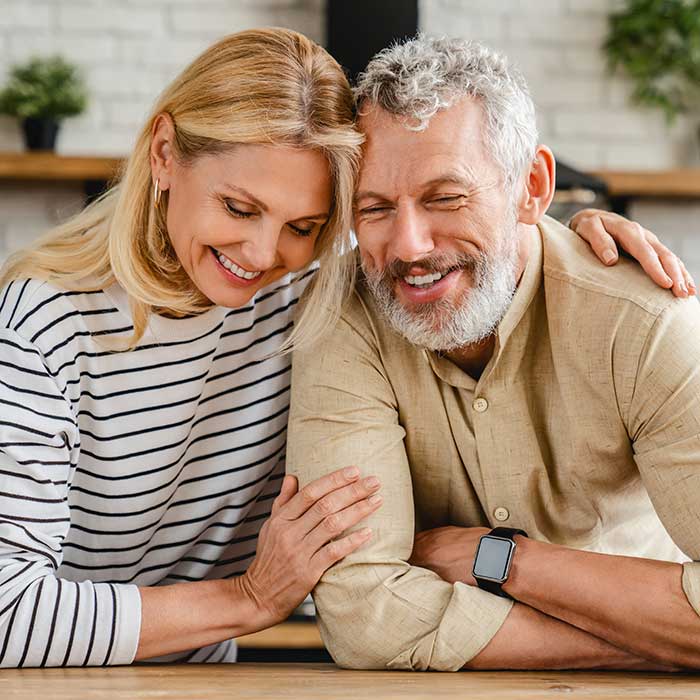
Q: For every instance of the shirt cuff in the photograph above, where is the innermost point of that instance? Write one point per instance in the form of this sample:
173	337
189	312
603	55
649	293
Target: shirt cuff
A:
468	624
128	623
691	584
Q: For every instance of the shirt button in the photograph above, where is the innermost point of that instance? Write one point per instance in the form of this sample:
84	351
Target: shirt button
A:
501	514
480	404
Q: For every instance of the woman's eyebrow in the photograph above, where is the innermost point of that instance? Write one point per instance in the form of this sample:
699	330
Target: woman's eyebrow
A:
313	217
263	206
247	194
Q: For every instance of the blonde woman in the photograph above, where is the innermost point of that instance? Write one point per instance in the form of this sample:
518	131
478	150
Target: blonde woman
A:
143	394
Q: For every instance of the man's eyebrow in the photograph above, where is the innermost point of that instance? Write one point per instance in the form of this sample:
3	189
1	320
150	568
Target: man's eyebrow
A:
466	180
368	194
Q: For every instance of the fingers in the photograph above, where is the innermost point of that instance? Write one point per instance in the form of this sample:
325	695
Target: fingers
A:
603	230
673	268
683	283
288	490
312	492
689	281
338	500
645	253
336	550
590	227
337	523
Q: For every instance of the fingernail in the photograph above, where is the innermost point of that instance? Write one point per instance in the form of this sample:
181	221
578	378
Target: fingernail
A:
684	289
669	280
365	532
351	472
375	500
371	482
609	256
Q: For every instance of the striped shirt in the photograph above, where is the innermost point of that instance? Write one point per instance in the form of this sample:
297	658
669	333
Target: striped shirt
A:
126	469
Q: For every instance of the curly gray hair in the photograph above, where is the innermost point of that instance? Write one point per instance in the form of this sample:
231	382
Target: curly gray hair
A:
417	78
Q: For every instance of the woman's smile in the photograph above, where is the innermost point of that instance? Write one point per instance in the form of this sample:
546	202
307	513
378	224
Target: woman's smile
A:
234	272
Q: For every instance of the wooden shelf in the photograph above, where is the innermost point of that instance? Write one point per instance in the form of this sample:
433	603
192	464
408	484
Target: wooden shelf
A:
47	166
44	165
288	635
682	183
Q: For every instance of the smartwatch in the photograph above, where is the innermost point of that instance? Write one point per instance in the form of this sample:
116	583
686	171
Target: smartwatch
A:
493	559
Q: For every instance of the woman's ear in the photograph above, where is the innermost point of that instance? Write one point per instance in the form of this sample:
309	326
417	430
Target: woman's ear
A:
538	187
162	161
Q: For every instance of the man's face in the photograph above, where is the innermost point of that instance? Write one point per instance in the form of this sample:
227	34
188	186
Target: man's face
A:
436	229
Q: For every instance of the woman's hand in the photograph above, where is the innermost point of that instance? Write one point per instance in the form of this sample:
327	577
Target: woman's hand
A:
297	545
602	230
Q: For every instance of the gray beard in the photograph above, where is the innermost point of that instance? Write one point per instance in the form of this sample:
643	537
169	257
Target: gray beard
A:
447	325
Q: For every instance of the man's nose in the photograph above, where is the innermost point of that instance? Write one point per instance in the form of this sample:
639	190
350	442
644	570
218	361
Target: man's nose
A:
411	238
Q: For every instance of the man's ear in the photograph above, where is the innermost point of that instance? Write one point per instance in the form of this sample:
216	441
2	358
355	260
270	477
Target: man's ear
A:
161	154
538	187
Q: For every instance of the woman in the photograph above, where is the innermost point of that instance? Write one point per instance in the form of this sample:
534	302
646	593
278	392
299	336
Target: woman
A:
143	391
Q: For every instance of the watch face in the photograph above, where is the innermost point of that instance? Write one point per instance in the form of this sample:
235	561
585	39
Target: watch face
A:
493	558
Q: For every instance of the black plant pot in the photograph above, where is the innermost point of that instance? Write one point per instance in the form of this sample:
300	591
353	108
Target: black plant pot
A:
40	134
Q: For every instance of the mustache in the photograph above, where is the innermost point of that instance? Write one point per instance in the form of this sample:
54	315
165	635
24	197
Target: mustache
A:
436	263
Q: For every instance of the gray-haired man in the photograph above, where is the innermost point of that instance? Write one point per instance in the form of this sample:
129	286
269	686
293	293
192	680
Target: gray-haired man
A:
491	373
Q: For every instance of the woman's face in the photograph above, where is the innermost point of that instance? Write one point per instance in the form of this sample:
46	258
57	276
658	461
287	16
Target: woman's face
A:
241	220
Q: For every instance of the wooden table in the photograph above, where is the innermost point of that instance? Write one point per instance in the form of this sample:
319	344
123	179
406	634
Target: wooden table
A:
327	682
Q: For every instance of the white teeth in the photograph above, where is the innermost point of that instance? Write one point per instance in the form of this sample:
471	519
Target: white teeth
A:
238	271
423	280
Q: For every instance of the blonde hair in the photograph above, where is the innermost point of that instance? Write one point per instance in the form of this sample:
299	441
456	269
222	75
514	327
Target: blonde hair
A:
263	86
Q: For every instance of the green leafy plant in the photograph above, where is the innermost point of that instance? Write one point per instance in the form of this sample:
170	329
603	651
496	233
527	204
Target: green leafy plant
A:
44	88
657	43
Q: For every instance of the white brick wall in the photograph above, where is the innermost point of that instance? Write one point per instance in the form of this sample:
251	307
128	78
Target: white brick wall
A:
129	49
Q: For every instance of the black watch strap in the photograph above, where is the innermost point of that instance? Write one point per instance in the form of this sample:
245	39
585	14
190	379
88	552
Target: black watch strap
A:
494	586
509	532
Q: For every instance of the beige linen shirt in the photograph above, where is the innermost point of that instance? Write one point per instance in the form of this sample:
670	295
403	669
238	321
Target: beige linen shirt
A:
583	430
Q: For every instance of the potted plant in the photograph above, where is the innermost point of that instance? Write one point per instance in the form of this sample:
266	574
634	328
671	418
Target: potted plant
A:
42	92
657	43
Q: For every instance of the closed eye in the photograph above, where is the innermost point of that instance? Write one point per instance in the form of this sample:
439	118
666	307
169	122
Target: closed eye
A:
238	213
375	209
449	199
301	231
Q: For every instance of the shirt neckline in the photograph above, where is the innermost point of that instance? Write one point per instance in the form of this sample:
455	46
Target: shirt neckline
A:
162	328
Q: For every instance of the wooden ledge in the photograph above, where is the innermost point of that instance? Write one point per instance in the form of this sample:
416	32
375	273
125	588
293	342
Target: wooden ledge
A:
678	183
45	165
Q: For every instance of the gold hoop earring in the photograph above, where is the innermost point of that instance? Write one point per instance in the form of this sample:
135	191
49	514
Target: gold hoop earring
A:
157	192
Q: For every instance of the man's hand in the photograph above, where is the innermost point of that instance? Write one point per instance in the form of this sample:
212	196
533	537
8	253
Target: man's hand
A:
448	551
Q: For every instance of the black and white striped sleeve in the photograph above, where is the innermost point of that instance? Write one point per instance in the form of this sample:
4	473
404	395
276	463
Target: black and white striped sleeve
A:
46	620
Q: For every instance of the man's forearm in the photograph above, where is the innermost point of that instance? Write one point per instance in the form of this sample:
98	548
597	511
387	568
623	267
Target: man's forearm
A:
635	604
531	640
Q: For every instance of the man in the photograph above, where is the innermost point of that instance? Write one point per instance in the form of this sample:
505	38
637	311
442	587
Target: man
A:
492	373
